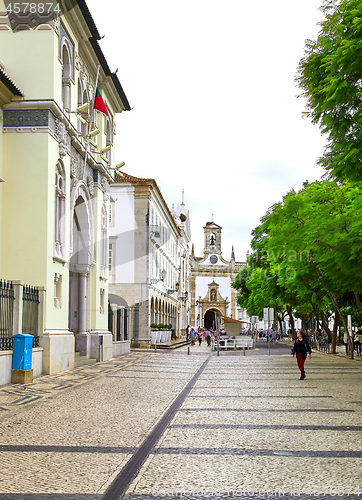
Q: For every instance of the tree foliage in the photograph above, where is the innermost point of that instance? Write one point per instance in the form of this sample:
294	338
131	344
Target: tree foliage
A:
307	252
330	73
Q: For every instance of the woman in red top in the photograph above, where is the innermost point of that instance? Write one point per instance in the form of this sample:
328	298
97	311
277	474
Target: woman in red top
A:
301	348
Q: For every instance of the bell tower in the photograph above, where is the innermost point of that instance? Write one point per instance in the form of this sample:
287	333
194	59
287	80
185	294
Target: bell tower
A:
212	238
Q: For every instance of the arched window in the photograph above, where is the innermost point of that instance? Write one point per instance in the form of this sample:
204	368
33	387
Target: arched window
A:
66	75
79	103
104	242
109	138
59	210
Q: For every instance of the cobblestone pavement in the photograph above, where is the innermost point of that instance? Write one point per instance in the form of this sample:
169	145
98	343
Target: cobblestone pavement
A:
165	425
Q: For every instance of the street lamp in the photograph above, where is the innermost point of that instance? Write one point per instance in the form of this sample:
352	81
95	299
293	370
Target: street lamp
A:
177	287
163	276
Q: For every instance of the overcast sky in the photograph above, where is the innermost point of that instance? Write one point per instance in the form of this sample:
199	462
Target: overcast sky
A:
215	112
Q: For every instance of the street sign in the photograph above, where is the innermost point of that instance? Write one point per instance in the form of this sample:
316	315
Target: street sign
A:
268	314
271	314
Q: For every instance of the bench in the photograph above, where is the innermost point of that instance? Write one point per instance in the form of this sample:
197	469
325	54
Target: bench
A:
234	343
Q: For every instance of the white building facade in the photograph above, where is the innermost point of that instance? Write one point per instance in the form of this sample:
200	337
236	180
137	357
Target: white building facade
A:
149	271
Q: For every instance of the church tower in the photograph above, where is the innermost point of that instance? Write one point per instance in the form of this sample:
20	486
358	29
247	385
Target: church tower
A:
212	238
212	294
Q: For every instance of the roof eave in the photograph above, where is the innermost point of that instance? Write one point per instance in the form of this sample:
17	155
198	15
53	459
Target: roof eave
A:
117	84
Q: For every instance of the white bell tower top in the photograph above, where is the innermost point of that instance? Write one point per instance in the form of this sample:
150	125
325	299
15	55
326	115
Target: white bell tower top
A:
212	238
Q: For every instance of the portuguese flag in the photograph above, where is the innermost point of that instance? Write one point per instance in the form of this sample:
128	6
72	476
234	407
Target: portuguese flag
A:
100	104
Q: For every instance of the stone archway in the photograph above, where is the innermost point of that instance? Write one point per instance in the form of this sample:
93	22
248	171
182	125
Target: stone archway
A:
210	320
81	260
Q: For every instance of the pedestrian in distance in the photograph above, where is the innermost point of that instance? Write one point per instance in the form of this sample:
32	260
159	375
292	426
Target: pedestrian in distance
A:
199	337
301	348
187	333
358	342
192	336
345	341
208	337
274	336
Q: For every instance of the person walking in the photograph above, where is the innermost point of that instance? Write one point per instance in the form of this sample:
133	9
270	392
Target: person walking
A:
301	348
358	341
208	337
274	336
199	337
192	336
345	341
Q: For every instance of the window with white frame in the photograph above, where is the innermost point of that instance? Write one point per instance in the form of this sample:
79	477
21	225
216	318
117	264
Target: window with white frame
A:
66	74
83	98
59	237
111	257
84	126
109	137
111	214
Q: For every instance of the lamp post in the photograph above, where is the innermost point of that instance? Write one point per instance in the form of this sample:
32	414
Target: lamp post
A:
163	276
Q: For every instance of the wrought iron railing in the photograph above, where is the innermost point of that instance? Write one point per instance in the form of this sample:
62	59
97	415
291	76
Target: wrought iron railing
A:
118	327
6	344
31	312
6	315
110	318
125	324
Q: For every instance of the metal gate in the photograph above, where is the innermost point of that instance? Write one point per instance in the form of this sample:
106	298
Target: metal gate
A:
7	298
30	312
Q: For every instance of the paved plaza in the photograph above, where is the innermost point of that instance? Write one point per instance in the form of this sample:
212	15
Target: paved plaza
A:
165	424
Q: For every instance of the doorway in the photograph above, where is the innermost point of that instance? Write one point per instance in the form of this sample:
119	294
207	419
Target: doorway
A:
210	319
80	262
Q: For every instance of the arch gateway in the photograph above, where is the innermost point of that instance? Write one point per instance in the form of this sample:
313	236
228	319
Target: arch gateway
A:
212	296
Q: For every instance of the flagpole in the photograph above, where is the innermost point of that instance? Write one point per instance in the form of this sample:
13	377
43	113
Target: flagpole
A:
90	121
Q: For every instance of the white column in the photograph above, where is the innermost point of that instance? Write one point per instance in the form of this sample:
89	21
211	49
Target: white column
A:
82	325
18	307
82	338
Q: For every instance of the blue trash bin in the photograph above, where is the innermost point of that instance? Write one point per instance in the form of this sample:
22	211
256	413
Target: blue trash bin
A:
22	351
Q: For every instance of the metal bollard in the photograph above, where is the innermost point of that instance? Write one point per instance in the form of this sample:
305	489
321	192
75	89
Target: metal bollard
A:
155	347
244	350
188	350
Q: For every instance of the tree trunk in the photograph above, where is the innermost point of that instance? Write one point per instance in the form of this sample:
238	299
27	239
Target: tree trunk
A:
291	320
358	301
280	324
335	303
335	329
325	323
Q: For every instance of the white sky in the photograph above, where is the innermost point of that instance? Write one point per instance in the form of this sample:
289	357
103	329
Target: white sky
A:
215	107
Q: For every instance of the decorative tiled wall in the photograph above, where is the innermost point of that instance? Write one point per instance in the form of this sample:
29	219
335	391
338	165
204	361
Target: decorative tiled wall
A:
29	118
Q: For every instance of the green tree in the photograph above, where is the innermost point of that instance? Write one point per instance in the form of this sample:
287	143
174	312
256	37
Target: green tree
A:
321	229
330	73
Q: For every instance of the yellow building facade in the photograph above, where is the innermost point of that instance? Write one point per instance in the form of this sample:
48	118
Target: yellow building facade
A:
57	161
